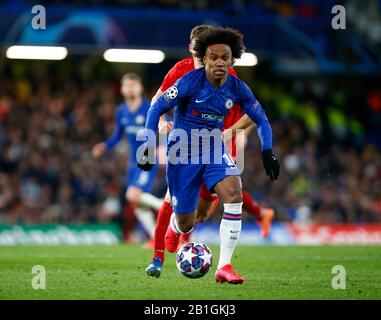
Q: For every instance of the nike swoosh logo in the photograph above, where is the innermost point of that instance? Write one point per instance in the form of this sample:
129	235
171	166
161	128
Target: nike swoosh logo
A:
199	101
273	157
234	231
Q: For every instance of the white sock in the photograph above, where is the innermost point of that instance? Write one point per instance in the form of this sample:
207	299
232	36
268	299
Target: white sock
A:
230	229
147	219
150	200
175	227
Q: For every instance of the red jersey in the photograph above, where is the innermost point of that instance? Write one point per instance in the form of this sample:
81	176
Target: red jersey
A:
180	69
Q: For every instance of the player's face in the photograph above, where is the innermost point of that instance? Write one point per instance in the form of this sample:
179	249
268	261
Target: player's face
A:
218	60
131	89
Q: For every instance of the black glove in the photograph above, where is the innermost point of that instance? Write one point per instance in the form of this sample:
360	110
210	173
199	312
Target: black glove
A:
145	160
271	164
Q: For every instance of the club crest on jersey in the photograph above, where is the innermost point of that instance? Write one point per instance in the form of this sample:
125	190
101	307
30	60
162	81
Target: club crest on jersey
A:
229	104
171	93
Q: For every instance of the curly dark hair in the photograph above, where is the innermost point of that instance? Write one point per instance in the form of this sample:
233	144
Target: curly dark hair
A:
229	36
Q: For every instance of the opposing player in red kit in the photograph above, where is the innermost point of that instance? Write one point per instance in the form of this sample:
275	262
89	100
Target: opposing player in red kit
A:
164	237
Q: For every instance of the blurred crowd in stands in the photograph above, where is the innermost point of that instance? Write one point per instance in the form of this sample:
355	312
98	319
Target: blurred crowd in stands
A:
331	163
330	171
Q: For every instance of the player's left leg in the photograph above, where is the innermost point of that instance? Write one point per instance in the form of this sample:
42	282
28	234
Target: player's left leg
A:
225	179
229	191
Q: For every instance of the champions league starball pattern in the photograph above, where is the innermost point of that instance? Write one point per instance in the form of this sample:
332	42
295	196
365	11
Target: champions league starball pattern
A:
194	260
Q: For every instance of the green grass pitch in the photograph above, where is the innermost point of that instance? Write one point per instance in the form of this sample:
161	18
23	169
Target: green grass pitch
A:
117	272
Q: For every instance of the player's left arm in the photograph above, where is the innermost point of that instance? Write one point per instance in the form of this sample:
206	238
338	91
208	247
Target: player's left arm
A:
257	114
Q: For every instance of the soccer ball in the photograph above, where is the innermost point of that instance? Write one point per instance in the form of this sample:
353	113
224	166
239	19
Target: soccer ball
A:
194	260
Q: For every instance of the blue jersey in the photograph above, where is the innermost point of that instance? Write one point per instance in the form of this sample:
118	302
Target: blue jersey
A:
128	123
199	105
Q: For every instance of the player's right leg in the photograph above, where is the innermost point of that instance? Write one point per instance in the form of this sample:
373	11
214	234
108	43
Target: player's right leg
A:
207	205
179	224
184	181
167	235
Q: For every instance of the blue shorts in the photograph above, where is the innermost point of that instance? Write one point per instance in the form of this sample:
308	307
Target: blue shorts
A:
184	181
139	178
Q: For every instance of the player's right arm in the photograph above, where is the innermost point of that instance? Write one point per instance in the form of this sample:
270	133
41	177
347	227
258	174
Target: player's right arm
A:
156	96
100	148
171	77
168	100
164	125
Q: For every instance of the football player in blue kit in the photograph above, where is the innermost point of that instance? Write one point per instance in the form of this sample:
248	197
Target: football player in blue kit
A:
129	119
201	100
